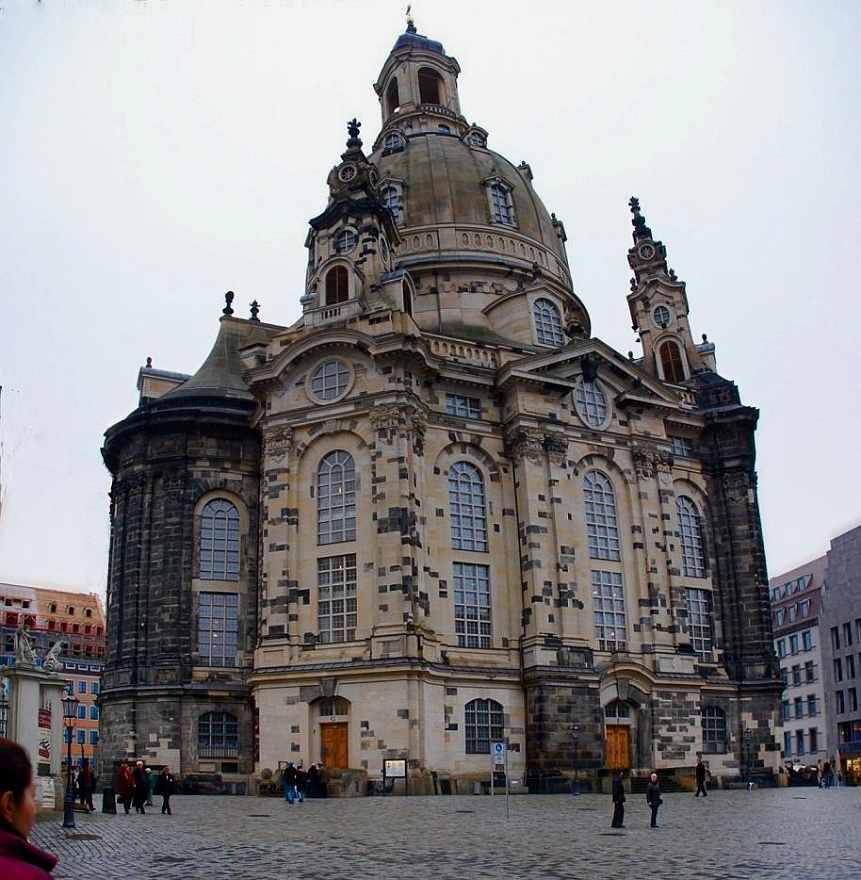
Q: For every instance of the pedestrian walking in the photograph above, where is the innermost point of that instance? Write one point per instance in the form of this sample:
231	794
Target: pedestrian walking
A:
126	786
19	859
618	801
653	798
301	782
290	778
85	785
701	778
141	779
164	787
150	785
313	781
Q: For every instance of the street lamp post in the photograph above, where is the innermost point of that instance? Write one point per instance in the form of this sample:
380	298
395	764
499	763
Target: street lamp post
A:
747	737
70	709
575	738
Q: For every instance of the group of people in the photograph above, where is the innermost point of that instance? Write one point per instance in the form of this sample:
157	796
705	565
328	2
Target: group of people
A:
653	799
135	787
300	783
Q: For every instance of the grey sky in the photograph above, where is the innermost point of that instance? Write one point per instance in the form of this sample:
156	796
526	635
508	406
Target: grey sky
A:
156	153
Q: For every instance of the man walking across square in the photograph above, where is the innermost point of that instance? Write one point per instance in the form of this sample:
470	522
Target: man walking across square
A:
701	778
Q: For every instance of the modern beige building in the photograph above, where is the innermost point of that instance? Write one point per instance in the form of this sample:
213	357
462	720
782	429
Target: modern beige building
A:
437	512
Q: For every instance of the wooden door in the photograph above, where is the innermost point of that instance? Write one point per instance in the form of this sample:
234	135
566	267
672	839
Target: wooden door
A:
334	742
618	747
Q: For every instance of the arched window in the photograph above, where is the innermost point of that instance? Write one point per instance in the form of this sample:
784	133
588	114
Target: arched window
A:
502	208
336	498
617	709
393	100
548	322
591	403
430	87
327	706
390	196
483	722
714	730
602	525
219	541
217	735
691	536
467	507
337	285
671	362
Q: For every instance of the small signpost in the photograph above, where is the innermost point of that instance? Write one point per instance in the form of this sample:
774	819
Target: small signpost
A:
499	759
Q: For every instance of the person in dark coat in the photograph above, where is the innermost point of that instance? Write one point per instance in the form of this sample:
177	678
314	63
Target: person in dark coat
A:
141	779
125	786
618	801
653	798
85	785
301	781
701	778
164	787
19	859
291	776
313	781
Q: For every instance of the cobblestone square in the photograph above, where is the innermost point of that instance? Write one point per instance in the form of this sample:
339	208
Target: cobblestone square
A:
792	833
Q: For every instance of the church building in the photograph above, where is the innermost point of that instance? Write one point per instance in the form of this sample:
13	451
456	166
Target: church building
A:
437	513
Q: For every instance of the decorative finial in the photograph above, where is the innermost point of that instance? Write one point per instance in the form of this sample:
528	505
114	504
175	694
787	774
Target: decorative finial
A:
228	299
255	310
672	274
633	284
639	222
411	25
353	127
149	362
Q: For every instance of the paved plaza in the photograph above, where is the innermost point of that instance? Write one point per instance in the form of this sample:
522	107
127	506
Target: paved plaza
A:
805	833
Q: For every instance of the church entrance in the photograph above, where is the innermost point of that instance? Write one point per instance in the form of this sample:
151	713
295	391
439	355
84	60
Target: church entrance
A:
334	745
618	747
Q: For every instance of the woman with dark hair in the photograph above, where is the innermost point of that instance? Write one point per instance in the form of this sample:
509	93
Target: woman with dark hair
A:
19	859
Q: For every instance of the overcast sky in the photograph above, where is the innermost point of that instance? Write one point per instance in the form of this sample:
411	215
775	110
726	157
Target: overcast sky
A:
157	153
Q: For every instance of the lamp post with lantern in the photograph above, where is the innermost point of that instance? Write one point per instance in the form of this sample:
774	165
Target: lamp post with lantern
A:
575	738
70	711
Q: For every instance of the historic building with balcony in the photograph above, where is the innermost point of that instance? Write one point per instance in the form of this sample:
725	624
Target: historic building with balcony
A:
437	511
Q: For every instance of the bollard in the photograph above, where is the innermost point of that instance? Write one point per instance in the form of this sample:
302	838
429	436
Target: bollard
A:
109	800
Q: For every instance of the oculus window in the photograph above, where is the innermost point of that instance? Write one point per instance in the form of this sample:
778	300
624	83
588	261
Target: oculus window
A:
330	380
591	404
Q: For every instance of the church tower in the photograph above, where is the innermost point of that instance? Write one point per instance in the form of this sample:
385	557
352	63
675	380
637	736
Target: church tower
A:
436	512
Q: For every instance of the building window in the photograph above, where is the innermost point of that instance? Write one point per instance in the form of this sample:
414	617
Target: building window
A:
217	735
82	687
82	711
798	705
337	285
219	541
787	743
608	607
671	362
430	86
793	643
847	635
840	702
336	498
94	737
813	739
502	208
838	669
682	447
807	640
662	316
784	676
700	622
852	699
799	742
94	713
472	605
345	240
809	671
775	594
218	629
590	403
793	612
787	710
81	736
391	198
336	598
796	675
617	709
548	323
483	723
330	380
602	525
781	648
811	705
691	535
835	638
467	507
94	687
850	666
330	706
477	139
779	617
393	100
805	608
465	407
714	730
394	141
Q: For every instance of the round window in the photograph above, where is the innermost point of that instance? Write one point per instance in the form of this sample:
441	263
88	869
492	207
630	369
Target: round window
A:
330	380
591	404
662	316
345	240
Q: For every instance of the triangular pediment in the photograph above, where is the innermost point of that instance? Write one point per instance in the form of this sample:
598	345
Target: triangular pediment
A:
592	358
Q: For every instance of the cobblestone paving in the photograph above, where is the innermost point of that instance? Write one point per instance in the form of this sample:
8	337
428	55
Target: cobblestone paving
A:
794	833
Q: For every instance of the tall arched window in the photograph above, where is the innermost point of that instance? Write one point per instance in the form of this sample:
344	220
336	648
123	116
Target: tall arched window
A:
483	722
430	86
602	525
393	100
336	498
548	322
390	196
219	541
691	536
502	208
217	735
337	285
714	730
671	362
467	507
